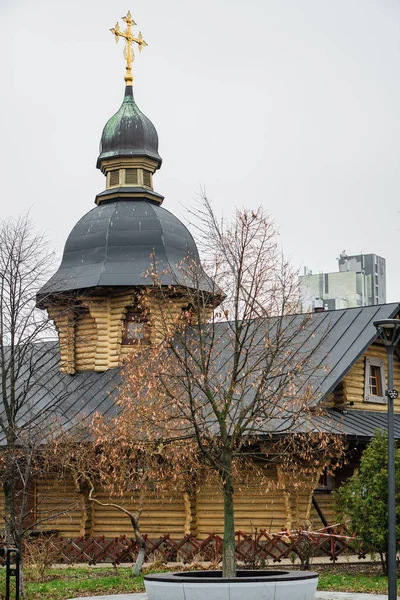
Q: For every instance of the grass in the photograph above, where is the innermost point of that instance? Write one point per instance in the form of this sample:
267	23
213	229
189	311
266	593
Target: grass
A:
71	582
80	581
376	584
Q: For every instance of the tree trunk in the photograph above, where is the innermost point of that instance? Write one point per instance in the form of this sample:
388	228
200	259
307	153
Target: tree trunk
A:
229	551
20	547
9	485
137	567
9	510
383	557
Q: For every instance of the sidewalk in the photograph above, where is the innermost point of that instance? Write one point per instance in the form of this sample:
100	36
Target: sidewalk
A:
318	560
318	596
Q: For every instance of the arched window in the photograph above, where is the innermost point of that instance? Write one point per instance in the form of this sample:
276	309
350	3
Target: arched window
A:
136	328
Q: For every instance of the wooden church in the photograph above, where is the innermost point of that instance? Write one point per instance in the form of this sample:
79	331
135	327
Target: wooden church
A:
94	301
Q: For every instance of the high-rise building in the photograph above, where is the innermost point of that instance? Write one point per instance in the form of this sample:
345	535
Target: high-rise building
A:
360	281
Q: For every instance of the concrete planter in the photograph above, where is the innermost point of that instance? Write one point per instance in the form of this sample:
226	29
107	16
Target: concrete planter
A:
248	585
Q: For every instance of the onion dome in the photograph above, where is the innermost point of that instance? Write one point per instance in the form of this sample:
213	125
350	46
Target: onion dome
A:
118	243
129	133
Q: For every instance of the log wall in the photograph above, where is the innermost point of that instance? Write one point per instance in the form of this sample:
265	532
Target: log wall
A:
159	516
85	341
350	392
64	319
109	314
200	515
254	509
325	503
277	506
60	506
90	330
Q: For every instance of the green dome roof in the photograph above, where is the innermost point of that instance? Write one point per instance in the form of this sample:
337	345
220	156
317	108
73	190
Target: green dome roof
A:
129	133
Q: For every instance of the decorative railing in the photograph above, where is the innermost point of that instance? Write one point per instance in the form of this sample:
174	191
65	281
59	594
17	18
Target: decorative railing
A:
257	549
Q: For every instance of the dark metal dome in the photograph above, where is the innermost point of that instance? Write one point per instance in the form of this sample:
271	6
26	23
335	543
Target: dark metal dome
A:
129	133
116	244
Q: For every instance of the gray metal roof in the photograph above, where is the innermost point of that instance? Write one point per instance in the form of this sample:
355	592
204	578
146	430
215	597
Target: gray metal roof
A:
360	424
49	396
350	332
118	243
346	333
335	339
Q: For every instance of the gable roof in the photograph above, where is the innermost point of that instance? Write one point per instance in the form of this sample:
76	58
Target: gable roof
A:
346	336
350	333
334	340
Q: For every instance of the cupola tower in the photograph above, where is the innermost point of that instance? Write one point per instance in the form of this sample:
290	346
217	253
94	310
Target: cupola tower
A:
102	295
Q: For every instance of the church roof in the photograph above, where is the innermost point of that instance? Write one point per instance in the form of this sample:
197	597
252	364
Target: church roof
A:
117	243
129	133
347	334
128	235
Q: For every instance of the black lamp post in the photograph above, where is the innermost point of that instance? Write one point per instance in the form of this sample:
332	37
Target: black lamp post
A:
389	332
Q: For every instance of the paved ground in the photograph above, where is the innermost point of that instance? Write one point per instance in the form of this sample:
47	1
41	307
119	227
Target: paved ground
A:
318	596
117	597
320	560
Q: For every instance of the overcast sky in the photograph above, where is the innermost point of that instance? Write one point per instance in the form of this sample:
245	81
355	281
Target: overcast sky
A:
292	104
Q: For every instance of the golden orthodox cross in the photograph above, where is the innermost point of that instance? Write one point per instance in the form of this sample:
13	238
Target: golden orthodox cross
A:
129	39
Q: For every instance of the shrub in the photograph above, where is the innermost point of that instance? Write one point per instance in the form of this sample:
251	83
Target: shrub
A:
40	554
363	498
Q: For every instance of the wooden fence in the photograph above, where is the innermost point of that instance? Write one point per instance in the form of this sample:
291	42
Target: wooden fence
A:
257	549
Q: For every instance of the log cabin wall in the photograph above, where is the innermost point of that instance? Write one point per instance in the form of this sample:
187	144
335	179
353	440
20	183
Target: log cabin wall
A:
281	505
297	494
29	496
60	506
201	514
91	329
167	313
109	314
325	499
64	321
349	393
85	341
325	503
254	509
159	516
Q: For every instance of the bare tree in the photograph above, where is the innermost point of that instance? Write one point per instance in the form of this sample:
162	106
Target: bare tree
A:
29	360
231	387
130	470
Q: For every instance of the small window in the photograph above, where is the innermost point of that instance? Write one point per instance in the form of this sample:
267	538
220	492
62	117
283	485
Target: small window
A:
114	177
374	390
326	283
136	329
375	384
131	176
147	178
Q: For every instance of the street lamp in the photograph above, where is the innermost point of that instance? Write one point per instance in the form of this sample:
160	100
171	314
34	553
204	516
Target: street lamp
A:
389	332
